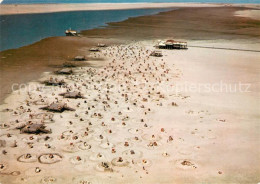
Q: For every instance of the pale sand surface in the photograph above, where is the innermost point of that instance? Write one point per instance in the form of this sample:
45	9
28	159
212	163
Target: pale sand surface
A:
217	134
253	14
7	9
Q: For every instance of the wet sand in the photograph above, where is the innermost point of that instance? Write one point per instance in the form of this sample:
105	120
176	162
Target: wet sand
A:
185	23
19	66
132	118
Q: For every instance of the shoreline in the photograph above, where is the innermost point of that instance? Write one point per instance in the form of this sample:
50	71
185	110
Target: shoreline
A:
45	54
13	9
133	116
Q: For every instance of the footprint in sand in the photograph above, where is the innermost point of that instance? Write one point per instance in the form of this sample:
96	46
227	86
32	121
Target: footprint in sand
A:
144	163
82	180
152	137
120	162
8	137
186	164
35	171
3	166
66	135
135	139
84	134
152	145
146	126
31	138
135	131
122	125
42	116
125	144
22	180
50	158
166	154
45	139
27	158
70	148
83	145
97	157
104	167
4	126
49	180
185	151
13	173
133	154
106	145
77	160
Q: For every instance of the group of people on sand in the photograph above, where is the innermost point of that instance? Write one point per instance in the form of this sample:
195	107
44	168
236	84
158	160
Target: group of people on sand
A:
118	96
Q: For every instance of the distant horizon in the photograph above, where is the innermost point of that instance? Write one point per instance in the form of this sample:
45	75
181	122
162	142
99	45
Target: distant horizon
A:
125	1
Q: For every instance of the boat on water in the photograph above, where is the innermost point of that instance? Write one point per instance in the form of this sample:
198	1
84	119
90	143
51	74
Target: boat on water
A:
70	32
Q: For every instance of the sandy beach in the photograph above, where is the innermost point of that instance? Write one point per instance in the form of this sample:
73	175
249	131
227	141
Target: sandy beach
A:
189	24
253	14
124	116
12	9
48	8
